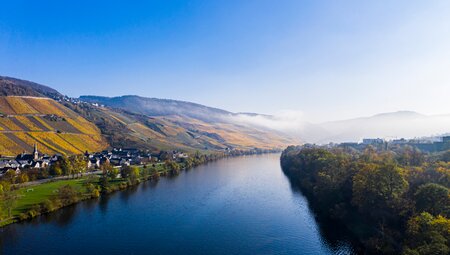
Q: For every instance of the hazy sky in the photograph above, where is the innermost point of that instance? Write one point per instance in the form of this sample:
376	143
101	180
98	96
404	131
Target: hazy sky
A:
327	59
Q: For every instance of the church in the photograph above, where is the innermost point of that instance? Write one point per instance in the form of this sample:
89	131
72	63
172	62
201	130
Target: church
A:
29	157
34	159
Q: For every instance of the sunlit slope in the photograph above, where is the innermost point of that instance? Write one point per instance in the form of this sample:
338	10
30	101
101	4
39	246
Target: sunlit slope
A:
123	128
26	121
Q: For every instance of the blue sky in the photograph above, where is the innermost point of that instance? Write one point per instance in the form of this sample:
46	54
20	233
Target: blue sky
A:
325	59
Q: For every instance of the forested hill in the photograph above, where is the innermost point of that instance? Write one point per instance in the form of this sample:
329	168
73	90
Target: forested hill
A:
394	202
16	87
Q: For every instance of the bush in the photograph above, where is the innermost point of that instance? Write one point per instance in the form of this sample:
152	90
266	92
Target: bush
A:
48	206
23	216
95	193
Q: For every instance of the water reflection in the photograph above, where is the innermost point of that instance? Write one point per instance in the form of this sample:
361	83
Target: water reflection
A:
126	194
103	203
334	233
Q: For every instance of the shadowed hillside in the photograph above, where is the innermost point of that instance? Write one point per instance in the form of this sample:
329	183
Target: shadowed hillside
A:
16	87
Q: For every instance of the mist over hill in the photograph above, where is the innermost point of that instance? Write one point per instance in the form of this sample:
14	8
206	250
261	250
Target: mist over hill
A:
159	107
224	128
401	124
290	124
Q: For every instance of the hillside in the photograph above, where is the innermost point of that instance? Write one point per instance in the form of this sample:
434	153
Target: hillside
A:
66	126
184	124
26	121
160	107
16	87
124	128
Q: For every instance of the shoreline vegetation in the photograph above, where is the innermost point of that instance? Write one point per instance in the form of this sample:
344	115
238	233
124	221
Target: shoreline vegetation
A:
20	202
391	201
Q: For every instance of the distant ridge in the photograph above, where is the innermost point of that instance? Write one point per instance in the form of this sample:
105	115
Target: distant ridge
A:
158	107
167	122
399	124
15	87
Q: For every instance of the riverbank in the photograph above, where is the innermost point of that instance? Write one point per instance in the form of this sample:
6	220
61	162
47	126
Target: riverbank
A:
48	195
45	196
392	203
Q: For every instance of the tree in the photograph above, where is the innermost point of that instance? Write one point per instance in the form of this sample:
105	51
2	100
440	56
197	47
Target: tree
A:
446	156
56	169
410	156
130	172
66	166
10	176
125	172
79	164
172	166
427	235
112	174
433	198
67	194
378	187
23	177
134	174
8	198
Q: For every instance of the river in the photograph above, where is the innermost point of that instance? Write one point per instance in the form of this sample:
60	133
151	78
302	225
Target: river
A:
242	205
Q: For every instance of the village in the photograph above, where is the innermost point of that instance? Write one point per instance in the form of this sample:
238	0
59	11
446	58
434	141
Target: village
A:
116	157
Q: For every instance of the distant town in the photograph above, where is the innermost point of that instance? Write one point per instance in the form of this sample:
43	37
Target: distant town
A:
424	144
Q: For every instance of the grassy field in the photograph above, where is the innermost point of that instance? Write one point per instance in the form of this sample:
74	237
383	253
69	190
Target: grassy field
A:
30	196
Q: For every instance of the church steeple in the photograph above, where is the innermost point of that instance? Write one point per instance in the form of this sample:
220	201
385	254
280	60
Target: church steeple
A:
35	152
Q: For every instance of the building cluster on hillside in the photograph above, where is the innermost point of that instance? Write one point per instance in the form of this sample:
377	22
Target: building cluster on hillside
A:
116	157
75	101
425	145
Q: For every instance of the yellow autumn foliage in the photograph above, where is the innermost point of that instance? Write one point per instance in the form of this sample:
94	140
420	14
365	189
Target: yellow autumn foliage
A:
26	138
84	142
83	126
9	124
5	108
20	106
24	120
8	147
29	112
52	139
45	106
43	122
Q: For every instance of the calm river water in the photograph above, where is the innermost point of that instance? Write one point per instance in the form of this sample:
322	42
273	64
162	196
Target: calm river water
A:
242	205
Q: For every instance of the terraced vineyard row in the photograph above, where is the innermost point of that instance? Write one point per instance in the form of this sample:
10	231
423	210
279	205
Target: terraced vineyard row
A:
12	144
25	121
